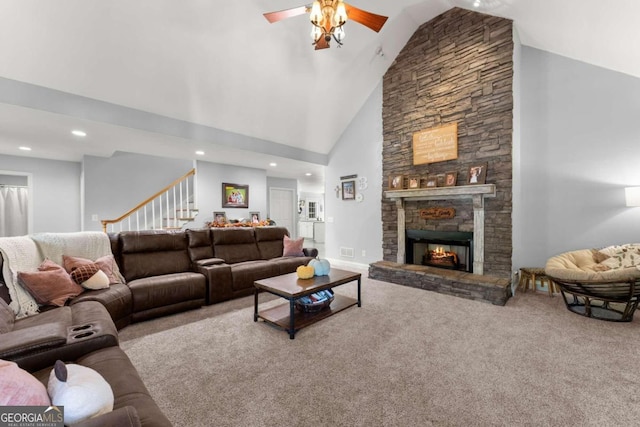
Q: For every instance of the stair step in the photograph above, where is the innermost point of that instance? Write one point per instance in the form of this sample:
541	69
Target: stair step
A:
190	210
190	218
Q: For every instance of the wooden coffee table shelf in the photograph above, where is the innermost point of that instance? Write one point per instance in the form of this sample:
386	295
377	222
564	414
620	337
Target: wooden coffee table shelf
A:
288	286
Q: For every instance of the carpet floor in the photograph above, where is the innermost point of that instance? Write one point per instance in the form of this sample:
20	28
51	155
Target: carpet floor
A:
407	357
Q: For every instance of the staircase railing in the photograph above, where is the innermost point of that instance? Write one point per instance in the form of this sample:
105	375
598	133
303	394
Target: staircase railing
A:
171	207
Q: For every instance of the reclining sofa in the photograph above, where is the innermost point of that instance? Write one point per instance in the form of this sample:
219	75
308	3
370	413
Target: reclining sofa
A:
163	272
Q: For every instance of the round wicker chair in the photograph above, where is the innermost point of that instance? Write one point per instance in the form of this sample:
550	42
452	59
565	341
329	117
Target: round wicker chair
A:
590	290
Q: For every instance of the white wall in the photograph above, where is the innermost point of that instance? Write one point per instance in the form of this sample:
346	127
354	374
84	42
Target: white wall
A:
210	179
114	185
580	148
357	225
56	191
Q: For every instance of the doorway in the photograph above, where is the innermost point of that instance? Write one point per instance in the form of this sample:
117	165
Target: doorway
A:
16	218
282	208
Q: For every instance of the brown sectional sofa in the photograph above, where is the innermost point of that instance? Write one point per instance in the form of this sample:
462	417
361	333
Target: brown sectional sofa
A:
233	258
166	272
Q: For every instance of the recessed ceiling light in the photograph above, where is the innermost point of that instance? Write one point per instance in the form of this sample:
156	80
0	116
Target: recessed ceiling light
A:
78	132
308	174
200	153
273	165
25	148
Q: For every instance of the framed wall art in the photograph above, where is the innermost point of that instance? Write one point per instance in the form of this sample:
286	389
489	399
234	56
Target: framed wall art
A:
235	195
432	181
477	174
349	190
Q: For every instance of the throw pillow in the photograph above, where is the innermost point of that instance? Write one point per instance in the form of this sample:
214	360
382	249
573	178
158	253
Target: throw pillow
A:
51	285
106	263
623	256
89	276
293	247
18	387
82	391
7	317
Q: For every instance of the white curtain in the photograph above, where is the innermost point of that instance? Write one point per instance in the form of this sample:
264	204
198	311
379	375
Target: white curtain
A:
14	203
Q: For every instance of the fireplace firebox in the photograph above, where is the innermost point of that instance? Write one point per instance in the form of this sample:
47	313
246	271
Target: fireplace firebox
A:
442	249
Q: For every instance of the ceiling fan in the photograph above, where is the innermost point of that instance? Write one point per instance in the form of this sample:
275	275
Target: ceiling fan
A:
328	18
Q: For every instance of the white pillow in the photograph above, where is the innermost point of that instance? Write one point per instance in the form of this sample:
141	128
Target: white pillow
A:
83	392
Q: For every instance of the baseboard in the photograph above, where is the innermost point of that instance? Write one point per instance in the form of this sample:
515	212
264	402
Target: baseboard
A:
349	265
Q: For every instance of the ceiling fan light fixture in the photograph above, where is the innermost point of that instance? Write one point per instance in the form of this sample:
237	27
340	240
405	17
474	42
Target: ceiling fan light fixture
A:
340	17
339	34
316	33
316	16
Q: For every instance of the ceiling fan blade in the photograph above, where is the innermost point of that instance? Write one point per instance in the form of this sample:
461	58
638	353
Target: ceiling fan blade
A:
321	43
368	19
284	14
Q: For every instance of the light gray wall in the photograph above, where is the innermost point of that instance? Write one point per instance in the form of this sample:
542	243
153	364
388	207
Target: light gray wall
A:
580	148
113	185
210	178
357	225
56	191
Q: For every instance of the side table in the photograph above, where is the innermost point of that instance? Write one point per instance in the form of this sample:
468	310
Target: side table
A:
528	276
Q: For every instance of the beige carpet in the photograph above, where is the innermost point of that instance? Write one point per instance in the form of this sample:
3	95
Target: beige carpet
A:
407	357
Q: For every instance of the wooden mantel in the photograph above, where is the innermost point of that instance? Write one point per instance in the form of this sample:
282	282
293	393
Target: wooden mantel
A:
477	193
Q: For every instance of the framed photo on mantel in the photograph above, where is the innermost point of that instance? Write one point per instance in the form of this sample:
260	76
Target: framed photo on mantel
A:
477	174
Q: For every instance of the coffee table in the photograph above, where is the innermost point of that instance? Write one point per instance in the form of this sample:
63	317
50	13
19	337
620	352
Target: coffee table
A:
290	287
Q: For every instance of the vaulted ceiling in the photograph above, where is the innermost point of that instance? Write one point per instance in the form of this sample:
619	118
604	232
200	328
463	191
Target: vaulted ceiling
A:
168	77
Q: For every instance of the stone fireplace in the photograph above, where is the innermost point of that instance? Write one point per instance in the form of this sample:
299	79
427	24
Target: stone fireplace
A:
456	68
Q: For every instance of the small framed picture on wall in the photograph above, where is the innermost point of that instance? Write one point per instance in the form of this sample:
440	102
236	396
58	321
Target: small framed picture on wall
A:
348	190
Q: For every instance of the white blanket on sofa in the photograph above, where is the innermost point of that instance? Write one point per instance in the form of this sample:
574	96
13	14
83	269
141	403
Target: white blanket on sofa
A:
86	244
26	253
19	254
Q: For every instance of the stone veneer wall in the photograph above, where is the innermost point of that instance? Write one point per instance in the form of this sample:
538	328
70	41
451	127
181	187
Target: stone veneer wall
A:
457	67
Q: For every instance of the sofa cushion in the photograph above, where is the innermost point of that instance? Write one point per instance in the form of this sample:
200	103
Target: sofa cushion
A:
18	387
200	245
270	241
51	285
153	253
245	273
235	244
289	264
158	291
